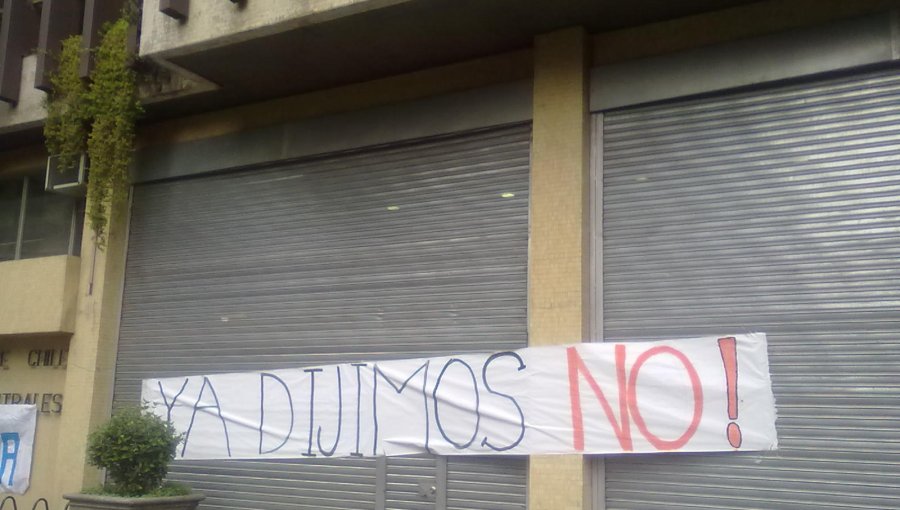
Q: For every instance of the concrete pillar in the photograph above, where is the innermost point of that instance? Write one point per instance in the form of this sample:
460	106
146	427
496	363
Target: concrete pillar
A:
92	352
558	258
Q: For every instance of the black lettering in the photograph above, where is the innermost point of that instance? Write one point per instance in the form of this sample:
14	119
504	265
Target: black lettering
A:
485	442
376	373
337	439
312	407
34	358
174	399
262	410
357	453
16	399
4	359
197	407
45	402
57	401
437	416
30	399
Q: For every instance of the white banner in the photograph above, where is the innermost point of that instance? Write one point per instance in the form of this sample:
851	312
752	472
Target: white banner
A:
17	423
694	395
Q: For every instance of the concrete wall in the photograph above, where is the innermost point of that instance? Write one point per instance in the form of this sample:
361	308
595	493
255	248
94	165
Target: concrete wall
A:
557	257
29	111
33	368
716	27
37	296
473	74
214	23
92	354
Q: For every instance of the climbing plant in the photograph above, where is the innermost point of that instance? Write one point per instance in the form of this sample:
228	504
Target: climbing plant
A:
115	108
68	108
96	117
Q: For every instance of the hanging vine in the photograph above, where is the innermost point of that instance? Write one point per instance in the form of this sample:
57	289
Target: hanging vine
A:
96	117
115	107
68	108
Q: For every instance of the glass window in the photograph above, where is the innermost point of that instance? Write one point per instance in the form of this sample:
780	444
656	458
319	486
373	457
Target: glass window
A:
48	222
10	205
52	223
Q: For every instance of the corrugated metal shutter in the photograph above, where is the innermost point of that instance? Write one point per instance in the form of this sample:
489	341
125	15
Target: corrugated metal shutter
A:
406	251
486	483
776	211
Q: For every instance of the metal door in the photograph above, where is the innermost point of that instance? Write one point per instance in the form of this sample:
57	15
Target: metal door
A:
775	210
413	250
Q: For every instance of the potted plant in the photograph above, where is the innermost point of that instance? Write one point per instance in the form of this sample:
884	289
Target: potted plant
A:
135	447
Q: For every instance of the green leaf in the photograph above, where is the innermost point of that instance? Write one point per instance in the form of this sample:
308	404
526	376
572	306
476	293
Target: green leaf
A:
135	447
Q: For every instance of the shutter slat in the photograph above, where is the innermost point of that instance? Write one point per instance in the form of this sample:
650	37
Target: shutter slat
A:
779	211
400	252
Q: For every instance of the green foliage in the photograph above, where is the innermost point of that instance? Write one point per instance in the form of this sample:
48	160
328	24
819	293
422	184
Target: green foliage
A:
167	489
97	118
115	108
170	489
68	109
135	447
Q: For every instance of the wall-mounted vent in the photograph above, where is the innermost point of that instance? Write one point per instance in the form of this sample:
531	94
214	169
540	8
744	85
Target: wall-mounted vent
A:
69	181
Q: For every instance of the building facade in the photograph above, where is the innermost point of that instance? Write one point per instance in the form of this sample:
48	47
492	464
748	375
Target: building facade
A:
344	180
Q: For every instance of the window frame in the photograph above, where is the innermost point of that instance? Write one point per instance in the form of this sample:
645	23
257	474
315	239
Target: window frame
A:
28	181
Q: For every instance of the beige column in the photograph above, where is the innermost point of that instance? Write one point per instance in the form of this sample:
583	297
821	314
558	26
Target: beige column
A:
92	353
557	266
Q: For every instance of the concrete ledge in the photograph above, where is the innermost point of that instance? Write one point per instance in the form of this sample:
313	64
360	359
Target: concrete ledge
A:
216	23
38	296
29	111
95	502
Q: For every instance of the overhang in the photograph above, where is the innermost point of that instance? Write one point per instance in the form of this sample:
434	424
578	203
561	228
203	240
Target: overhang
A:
391	39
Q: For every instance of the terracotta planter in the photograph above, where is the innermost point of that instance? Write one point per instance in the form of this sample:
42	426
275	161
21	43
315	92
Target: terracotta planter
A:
94	502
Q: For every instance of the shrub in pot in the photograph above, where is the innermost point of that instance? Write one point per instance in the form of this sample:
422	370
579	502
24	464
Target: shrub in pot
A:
135	447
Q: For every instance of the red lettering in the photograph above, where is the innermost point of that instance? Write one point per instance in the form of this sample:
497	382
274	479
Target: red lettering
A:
728	348
696	388
622	430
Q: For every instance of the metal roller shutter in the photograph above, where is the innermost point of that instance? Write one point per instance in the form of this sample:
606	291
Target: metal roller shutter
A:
778	211
485	483
413	250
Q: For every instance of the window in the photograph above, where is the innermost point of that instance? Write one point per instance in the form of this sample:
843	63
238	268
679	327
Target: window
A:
10	210
34	223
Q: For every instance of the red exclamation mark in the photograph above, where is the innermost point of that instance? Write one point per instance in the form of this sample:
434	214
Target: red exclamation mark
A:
728	348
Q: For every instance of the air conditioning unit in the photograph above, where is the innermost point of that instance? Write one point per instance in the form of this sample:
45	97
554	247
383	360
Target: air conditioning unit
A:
70	181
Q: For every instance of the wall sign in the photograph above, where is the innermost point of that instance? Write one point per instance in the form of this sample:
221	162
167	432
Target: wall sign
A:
17	423
53	358
46	402
694	395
